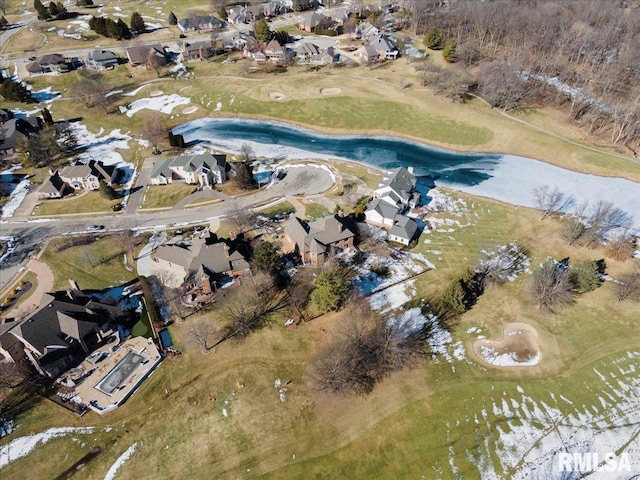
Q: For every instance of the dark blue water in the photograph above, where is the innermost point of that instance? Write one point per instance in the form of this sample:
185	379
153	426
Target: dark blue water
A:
382	152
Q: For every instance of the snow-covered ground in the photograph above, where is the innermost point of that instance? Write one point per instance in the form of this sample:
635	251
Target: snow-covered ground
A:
16	198
21	446
490	355
111	474
164	104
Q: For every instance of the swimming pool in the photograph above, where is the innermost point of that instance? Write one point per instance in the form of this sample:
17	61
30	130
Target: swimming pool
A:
120	373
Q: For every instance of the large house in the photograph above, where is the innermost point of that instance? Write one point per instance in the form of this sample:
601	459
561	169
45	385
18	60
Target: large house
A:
81	176
394	195
63	330
99	59
320	240
200	22
204	170
384	45
139	54
15	129
50	63
196	50
205	260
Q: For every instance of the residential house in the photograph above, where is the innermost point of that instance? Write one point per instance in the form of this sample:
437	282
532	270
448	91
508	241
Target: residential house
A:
99	59
205	261
15	129
321	239
366	30
309	52
239	15
87	176
368	54
274	52
139	54
200	22
196	50
394	195
398	188
50	63
404	230
5	114
311	20
384	45
204	170
61	332
54	187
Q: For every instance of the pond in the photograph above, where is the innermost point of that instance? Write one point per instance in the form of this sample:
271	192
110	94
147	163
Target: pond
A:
508	178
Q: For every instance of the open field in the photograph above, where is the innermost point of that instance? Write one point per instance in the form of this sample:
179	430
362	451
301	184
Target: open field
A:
420	421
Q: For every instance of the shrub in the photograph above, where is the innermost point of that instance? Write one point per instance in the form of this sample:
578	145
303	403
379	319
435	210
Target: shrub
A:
550	287
585	276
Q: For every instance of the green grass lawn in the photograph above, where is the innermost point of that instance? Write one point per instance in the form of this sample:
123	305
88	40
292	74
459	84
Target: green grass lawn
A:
98	265
166	196
314	210
90	202
282	208
142	328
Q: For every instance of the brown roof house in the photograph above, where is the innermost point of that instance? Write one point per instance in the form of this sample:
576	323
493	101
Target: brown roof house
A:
205	261
62	331
54	187
87	176
196	50
139	54
321	239
50	63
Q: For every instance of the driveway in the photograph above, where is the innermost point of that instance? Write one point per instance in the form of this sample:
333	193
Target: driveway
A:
45	284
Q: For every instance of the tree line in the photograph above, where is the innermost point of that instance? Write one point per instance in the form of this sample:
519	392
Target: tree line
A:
579	54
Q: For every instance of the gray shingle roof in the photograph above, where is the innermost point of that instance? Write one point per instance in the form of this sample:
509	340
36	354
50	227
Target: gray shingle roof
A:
404	227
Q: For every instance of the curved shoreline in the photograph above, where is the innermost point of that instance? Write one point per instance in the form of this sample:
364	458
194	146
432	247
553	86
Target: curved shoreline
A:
507	178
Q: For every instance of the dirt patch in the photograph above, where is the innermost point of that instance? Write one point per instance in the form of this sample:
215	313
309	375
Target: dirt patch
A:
331	91
190	109
518	347
156	93
277	96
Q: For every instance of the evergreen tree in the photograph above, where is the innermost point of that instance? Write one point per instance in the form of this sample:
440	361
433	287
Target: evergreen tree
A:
107	191
222	13
43	12
53	9
453	298
267	259
173	20
585	276
137	23
3	22
262	30
180	141
331	289
449	51
122	29
15	92
46	117
84	3
433	39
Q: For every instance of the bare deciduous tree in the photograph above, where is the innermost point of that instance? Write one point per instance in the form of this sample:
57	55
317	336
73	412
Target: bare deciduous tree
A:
550	287
242	218
501	264
629	287
154	129
202	333
551	201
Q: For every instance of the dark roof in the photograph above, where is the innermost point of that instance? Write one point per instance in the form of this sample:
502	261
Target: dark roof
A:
138	54
190	163
99	56
60	319
200	21
16	128
92	167
383	208
316	236
404	227
53	184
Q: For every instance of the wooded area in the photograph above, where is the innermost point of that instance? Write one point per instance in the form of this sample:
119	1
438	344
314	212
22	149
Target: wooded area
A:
578	54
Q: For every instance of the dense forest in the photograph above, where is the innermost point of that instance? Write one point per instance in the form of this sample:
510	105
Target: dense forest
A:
578	54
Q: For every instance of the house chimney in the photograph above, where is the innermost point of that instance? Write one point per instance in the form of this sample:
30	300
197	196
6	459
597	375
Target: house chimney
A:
410	169
206	284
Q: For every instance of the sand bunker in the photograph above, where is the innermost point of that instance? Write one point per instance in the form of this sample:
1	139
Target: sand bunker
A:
331	91
190	109
276	96
518	347
156	93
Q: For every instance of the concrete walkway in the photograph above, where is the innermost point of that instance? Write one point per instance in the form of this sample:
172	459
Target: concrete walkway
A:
44	285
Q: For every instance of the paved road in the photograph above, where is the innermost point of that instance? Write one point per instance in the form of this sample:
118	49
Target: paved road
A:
29	235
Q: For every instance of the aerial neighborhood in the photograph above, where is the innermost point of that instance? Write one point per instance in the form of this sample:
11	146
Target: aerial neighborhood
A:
319	238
